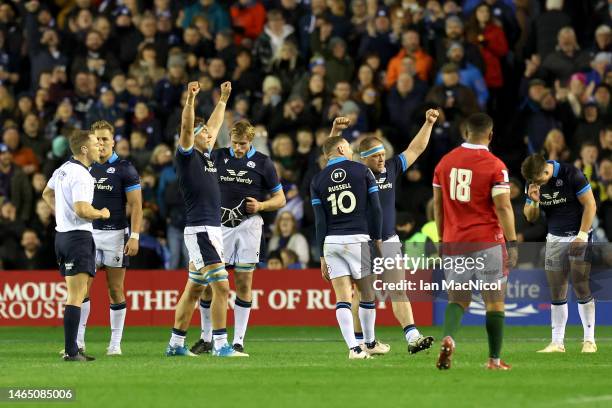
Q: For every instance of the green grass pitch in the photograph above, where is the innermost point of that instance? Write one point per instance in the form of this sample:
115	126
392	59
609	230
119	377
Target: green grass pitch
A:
308	367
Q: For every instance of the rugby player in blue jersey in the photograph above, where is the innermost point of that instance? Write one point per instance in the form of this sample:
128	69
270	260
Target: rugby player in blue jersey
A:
563	194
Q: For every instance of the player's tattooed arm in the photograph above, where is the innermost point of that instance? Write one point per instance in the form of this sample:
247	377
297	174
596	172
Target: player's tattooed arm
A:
277	200
186	138
420	141
531	210
340	123
218	115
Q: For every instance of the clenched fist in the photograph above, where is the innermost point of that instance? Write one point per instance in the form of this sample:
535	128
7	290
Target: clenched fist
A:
432	115
226	90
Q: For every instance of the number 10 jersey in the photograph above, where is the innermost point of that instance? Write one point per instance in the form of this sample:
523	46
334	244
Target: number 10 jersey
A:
468	178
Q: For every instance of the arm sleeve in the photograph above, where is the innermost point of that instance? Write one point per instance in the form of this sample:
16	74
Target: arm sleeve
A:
399	163
373	209
52	180
579	182
82	189
500	182
320	221
271	180
131	180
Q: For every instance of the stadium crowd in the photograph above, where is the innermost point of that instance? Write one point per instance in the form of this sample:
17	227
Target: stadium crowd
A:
540	69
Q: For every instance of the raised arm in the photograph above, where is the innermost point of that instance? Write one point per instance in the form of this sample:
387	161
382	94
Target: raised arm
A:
340	123
186	138
420	141
218	115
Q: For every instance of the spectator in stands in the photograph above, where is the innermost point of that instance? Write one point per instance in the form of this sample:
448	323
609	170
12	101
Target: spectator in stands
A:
286	235
555	147
544	29
287	65
43	222
290	259
379	39
275	261
14	184
484	32
245	77
11	228
469	75
32	136
270	101
64	118
566	59
22	156
589	127
455	35
605	141
30	255
457	100
146	69
106	108
150	253
248	19
411	45
339	64
144	121
403	100
213	12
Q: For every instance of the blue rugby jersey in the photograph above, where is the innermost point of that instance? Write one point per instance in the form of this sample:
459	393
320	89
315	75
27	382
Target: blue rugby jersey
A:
198	181
342	189
114	179
559	199
253	175
386	181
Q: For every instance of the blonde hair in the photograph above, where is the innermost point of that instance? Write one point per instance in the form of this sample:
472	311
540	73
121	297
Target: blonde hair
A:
243	128
277	230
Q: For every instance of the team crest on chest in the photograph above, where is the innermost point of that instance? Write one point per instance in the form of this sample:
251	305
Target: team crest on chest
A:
251	164
110	170
559	183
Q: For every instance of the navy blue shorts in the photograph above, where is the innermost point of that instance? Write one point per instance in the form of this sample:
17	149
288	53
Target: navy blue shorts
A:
76	253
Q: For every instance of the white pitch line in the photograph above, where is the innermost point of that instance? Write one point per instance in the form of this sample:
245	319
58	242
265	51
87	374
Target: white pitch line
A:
589	399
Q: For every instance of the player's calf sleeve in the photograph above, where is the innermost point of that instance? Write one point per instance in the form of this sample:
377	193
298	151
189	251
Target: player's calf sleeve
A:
117	320
586	309
345	321
242	310
72	315
411	333
205	321
367	317
452	319
85	306
558	320
495	332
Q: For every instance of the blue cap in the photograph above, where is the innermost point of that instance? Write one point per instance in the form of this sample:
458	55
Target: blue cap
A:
3	148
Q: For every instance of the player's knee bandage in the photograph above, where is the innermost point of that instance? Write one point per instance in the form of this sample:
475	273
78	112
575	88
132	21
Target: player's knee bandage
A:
244	267
197	277
217	274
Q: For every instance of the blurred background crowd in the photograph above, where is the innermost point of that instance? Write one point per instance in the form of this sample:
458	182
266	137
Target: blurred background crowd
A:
541	69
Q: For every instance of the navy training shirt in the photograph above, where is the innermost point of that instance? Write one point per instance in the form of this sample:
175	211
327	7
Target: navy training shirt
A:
559	199
386	192
114	179
198	181
342	188
253	175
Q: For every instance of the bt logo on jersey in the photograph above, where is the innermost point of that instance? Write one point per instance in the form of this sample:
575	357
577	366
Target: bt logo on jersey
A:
338	175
